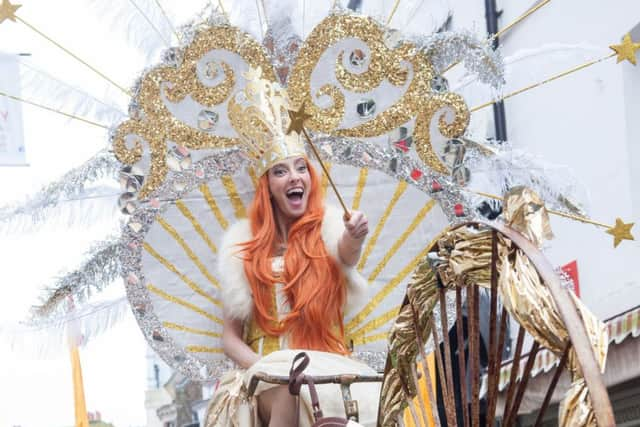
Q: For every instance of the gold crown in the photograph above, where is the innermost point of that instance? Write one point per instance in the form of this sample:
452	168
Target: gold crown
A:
259	114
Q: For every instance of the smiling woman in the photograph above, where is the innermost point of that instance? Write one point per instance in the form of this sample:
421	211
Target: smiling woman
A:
289	279
289	188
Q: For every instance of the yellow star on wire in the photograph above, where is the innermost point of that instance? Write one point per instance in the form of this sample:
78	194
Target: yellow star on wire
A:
297	120
626	50
8	11
620	232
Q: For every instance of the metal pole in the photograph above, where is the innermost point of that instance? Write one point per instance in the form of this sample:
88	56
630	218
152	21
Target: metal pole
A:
499	118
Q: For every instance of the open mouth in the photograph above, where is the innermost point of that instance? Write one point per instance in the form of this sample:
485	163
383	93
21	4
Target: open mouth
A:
295	194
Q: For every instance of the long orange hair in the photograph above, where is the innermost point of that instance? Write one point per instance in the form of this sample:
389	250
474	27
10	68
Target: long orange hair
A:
314	284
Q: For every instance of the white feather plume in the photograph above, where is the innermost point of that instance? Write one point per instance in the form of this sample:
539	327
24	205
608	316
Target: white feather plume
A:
508	167
50	337
71	187
141	22
41	87
538	63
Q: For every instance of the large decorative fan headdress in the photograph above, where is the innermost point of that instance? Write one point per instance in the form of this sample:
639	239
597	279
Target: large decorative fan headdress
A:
189	120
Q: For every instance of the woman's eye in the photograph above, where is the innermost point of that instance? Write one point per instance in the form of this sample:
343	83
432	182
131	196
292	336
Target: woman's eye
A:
302	168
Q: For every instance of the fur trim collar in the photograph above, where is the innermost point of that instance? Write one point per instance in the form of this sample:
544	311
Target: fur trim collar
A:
236	292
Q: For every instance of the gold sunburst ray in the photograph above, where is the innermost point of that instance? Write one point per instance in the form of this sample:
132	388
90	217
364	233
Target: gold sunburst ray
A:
184	209
362	182
391	284
189	329
382	336
203	349
376	323
371	242
324	183
213	205
181	302
386	290
234	197
418	218
190	283
253	176
187	249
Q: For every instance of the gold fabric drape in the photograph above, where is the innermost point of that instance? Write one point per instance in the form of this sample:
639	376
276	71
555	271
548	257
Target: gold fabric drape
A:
230	406
400	384
525	212
530	303
464	259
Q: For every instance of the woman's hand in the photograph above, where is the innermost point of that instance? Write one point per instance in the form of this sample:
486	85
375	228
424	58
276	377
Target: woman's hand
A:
356	229
357	226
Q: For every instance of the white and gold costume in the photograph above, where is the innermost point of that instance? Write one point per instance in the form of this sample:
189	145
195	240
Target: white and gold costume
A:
226	408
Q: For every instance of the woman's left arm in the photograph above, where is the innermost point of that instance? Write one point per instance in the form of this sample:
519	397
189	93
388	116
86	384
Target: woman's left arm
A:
350	243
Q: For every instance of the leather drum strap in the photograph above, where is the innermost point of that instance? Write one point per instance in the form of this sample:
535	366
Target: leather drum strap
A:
296	379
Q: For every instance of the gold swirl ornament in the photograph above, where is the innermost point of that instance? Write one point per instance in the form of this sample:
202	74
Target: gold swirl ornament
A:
215	55
401	65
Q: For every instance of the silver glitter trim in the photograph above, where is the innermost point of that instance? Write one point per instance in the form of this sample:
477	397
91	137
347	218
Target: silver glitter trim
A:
354	152
101	268
285	46
209	16
374	359
224	162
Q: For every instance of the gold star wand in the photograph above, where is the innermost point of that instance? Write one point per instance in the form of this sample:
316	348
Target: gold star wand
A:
297	125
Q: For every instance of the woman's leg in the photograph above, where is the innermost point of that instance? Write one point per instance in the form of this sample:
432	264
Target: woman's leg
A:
277	408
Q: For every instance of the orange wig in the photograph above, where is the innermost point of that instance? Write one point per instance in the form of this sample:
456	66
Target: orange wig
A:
314	284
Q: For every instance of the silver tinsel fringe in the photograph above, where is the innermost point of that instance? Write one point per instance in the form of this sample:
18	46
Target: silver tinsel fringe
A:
71	185
101	268
477	55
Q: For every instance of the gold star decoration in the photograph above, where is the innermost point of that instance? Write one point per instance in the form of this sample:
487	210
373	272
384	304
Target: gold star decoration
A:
626	50
620	232
297	120
8	11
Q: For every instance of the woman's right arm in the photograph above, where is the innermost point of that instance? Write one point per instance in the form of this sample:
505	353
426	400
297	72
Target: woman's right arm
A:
233	345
